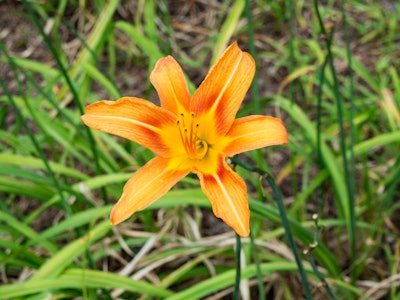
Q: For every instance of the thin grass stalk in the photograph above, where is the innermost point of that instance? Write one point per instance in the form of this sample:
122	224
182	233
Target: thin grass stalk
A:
238	251
3	114
255	94
59	13
321	278
284	220
289	235
321	81
352	170
308	253
70	85
291	17
349	219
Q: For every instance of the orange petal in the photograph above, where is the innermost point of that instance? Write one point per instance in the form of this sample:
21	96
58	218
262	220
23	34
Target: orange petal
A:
169	81
148	184
219	96
227	193
135	119
255	132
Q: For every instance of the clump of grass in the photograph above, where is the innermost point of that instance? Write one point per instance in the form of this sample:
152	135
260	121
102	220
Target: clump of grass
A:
328	228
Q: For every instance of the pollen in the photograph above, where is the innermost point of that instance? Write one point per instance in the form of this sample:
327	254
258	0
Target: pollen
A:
194	147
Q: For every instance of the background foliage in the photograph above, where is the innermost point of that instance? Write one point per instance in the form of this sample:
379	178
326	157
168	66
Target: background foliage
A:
325	223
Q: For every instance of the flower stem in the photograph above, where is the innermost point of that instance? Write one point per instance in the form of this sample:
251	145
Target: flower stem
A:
284	219
236	293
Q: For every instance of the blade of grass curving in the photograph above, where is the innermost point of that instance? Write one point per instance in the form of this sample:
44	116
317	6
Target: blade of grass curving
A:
284	220
80	279
31	65
19	255
149	17
33	162
339	105
43	182
227	29
109	85
176	274
75	221
26	231
11	186
377	141
64	257
146	44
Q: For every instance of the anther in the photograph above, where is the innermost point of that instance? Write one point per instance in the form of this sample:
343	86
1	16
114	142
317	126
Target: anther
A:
194	147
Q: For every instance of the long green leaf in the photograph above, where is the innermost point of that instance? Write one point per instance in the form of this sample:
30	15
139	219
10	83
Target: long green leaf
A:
64	257
81	280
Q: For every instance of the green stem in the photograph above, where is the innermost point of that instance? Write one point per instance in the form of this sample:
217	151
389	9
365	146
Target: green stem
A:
284	220
238	267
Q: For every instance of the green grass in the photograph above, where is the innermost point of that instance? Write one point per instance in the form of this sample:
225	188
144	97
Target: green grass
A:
326	219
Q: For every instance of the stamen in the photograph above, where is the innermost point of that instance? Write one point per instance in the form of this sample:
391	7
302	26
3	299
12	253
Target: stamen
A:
183	134
194	147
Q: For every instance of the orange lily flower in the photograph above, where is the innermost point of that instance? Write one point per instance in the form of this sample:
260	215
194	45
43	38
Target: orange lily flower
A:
190	134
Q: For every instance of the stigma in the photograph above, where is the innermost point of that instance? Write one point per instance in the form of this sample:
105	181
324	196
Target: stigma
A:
195	148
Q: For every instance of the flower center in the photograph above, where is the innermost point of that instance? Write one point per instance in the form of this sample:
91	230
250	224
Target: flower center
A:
194	147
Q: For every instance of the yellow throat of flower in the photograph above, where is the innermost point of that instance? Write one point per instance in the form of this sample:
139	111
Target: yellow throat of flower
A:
194	147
